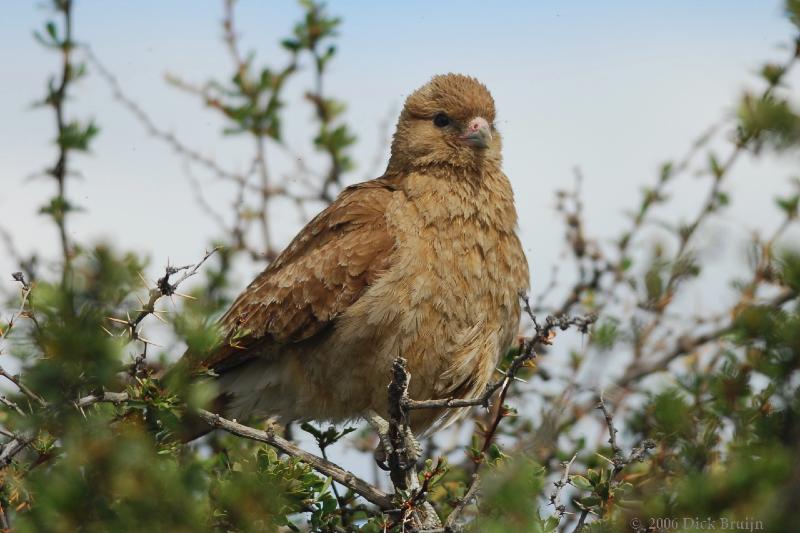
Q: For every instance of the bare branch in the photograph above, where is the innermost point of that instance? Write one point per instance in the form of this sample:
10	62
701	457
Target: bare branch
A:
555	497
612	431
452	522
686	346
338	474
164	287
341	476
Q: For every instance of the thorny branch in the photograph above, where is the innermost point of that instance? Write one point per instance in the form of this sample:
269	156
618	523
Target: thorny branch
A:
555	497
59	171
163	287
21	312
348	479
402	455
601	278
687	345
473	489
618	461
26	292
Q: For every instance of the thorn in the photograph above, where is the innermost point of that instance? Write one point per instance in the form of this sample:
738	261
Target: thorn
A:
148	341
144	281
515	378
187	296
604	457
119	320
109	333
158	316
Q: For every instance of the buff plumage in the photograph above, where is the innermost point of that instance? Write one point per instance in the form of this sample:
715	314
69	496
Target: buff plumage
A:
423	262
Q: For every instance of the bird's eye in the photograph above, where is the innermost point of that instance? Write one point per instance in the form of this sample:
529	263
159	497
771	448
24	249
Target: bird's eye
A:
441	120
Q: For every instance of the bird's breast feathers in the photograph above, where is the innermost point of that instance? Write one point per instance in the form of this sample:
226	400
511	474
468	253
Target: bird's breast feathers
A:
448	303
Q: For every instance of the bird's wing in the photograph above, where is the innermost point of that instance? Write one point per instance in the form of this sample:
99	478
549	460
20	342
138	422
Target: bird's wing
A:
324	270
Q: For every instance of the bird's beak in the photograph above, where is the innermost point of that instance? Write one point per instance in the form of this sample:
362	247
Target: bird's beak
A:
478	133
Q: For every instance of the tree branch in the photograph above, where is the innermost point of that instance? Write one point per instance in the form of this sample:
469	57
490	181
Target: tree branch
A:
338	474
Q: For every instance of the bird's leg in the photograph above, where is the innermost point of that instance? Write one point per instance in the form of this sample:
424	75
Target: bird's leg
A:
409	451
412	445
384	449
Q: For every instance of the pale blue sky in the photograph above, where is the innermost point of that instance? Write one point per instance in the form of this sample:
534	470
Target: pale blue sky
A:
615	87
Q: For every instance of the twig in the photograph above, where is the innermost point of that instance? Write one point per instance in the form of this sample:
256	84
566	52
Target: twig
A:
164	287
15	379
26	292
403	455
338	474
11	405
581	521
56	100
150	125
618	459
555	497
116	398
451	524
544	335
12	448
341	476
688	345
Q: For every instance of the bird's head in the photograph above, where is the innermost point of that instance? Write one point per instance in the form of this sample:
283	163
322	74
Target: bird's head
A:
447	122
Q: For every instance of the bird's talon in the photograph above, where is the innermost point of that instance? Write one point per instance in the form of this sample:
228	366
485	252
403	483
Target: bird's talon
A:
381	457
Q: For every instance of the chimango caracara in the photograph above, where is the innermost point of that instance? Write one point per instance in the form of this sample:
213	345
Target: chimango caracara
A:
422	263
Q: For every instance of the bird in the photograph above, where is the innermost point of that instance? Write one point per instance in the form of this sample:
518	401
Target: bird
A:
422	263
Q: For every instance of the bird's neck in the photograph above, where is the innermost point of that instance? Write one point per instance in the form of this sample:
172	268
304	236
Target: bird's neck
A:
453	195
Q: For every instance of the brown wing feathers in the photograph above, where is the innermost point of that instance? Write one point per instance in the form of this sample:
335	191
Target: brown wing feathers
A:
319	275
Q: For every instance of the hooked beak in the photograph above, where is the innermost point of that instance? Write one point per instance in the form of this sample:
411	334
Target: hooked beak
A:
478	133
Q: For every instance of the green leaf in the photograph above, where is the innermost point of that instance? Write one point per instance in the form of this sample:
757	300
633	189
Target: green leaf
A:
50	40
772	73
654	284
74	136
716	169
769	119
789	205
580	482
605	333
589	501
326	485
666	171
292	45
551	524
